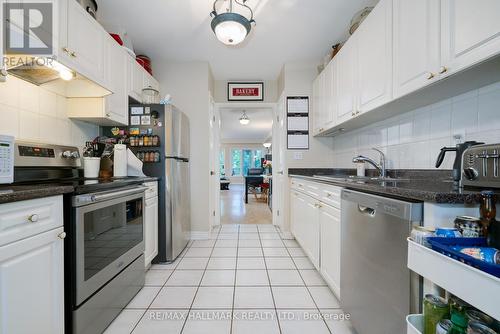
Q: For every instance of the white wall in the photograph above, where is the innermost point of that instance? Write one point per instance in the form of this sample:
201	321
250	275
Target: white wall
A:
270	90
413	140
188	83
297	80
29	112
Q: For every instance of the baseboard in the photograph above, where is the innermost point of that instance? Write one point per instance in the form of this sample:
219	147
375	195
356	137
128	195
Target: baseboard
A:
200	235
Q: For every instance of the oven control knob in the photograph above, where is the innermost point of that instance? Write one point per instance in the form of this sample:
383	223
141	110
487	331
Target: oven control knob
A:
75	155
66	154
471	174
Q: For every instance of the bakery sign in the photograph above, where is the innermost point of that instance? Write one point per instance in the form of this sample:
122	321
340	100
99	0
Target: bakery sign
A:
245	91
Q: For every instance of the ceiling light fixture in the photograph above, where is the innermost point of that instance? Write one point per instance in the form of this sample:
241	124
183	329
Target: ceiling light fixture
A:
244	120
267	145
230	27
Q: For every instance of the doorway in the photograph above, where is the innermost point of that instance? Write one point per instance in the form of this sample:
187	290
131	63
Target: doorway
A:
244	165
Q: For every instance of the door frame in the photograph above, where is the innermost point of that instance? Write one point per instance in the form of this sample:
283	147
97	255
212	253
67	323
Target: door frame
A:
273	107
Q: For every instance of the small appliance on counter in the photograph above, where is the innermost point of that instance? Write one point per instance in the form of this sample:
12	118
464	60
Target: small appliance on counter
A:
6	159
481	166
457	165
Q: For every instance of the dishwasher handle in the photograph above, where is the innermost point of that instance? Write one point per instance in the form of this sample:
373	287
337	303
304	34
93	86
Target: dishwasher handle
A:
366	210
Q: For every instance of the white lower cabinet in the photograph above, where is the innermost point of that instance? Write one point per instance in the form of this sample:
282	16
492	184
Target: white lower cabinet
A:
315	224
329	219
32	285
151	223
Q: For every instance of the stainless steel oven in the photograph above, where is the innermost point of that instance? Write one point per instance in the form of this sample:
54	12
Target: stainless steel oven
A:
109	235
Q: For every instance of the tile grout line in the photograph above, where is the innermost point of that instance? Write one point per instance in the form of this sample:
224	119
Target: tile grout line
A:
198	288
152	300
234	282
270	287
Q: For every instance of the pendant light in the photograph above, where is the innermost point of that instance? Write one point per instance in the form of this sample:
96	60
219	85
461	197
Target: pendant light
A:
230	27
244	120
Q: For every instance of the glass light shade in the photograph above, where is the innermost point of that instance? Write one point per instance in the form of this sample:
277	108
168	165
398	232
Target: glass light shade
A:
230	32
267	145
244	121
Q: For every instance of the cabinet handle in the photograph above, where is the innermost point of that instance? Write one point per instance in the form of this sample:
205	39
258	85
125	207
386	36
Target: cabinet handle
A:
353	113
443	69
62	235
33	218
430	75
321	129
328	195
108	115
65	49
357	112
73	54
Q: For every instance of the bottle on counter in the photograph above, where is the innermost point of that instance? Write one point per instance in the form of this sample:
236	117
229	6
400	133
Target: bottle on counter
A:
491	227
157	156
141	141
146	140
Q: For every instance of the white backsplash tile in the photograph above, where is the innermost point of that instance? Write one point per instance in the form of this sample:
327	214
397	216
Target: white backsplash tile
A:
33	113
413	140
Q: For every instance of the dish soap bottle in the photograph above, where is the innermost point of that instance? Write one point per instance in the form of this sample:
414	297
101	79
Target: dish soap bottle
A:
491	227
458	324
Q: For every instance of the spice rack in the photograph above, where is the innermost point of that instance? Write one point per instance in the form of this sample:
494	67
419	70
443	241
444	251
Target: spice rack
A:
474	286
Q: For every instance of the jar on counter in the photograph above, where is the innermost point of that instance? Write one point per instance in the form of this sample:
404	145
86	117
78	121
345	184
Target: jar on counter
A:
146	140
141	141
156	140
435	310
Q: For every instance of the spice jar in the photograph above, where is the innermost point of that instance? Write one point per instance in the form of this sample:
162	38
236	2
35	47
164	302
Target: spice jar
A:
491	227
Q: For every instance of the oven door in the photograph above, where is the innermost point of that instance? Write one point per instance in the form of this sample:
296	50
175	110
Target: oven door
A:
109	235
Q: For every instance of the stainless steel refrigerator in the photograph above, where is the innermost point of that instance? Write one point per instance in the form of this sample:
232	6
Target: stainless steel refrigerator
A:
172	169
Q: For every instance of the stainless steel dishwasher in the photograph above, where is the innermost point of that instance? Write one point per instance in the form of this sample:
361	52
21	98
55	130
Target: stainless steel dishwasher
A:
376	286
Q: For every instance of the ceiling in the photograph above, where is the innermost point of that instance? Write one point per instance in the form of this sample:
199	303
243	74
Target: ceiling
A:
179	30
259	129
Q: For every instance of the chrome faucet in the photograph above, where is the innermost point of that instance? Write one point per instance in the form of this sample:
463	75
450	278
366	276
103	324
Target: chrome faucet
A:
379	166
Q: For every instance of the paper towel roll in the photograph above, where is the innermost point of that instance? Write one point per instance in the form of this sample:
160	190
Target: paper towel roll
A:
134	165
120	161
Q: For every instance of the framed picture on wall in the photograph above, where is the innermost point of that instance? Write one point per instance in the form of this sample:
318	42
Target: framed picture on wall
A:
245	91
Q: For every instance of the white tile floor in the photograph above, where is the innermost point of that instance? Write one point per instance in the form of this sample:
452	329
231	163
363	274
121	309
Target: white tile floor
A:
246	280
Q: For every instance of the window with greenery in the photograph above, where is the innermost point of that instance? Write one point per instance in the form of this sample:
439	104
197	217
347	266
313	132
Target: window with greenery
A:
244	159
235	162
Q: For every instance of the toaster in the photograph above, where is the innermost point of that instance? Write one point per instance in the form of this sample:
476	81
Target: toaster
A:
481	166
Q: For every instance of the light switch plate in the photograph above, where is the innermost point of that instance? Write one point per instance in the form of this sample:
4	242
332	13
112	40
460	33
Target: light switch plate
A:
298	156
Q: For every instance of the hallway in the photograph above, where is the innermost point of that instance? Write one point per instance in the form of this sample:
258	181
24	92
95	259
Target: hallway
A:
235	211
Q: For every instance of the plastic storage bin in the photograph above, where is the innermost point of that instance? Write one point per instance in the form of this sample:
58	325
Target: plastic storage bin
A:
415	324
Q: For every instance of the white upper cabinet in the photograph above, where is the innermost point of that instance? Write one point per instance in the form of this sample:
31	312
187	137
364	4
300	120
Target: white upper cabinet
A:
416	44
116	79
317	113
374	55
330	104
82	44
470	33
345	69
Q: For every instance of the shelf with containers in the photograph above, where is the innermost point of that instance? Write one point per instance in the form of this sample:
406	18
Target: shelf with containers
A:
479	289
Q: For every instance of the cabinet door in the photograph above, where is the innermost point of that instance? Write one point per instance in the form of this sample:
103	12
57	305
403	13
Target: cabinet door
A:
149	81
470	32
416	44
85	43
316	106
344	63
151	230
311	238
374	54
330	107
329	218
297	204
137	80
116	77
32	285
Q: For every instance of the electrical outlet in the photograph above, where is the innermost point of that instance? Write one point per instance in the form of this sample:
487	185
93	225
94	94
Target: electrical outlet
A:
298	156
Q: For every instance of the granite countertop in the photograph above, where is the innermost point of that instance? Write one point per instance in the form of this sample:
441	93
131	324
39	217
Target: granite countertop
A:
15	193
423	186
